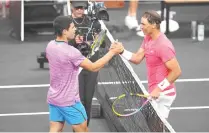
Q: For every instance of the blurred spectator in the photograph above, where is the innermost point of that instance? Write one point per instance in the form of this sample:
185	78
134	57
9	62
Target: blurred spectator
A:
15	17
4	5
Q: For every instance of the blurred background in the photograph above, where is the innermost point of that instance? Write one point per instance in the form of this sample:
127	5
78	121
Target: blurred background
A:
37	16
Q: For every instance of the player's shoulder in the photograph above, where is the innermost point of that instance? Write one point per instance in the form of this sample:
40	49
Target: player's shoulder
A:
164	43
60	46
71	50
164	40
50	44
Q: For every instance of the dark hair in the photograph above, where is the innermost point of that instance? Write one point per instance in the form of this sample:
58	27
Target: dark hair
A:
153	17
60	23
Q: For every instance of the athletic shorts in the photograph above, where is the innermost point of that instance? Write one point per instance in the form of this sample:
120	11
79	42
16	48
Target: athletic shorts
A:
73	115
164	104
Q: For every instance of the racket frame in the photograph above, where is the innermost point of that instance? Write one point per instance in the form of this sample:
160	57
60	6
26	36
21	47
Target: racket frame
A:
131	94
97	42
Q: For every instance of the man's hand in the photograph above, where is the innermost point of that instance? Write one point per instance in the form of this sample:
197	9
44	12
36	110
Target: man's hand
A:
116	47
78	39
155	93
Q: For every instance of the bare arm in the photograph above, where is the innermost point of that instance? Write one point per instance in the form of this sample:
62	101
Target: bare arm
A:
135	58
115	49
138	56
96	66
174	70
173	74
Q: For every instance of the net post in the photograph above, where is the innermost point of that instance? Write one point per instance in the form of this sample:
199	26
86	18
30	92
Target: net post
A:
22	21
68	7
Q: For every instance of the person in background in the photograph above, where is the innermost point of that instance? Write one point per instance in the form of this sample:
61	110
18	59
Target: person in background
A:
87	79
131	20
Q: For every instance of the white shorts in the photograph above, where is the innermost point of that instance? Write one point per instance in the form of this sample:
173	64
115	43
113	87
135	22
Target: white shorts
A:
164	103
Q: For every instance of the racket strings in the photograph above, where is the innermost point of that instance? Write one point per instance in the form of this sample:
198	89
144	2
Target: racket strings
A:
128	104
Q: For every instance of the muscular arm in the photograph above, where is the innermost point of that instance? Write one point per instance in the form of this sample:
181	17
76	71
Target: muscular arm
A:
174	70
167	55
135	58
138	56
115	49
96	66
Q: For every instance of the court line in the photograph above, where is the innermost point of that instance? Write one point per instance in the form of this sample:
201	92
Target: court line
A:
25	114
190	108
99	83
46	113
24	86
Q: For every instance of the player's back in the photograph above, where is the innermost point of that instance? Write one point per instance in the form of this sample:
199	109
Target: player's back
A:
63	89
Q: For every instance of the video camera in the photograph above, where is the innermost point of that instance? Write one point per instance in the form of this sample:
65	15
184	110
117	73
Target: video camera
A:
95	11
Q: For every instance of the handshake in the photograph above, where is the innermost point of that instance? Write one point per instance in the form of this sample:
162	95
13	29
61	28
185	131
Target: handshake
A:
116	48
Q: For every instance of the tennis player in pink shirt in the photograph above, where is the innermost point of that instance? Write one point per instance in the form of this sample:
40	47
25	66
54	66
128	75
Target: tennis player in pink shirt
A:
161	63
64	62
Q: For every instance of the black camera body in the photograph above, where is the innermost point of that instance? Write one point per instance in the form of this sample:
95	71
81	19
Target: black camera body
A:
96	12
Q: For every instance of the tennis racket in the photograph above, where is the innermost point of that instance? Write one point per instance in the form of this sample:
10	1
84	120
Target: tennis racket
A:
129	104
97	43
